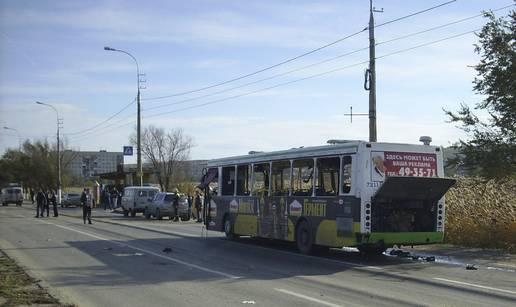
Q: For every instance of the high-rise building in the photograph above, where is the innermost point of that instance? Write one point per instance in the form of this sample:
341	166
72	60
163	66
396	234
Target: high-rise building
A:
86	164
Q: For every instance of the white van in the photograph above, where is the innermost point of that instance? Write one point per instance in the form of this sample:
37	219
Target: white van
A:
13	195
136	199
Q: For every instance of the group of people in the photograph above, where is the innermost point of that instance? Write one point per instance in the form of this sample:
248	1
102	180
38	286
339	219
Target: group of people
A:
110	197
43	201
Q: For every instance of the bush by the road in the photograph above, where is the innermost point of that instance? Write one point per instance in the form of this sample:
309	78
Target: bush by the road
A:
482	213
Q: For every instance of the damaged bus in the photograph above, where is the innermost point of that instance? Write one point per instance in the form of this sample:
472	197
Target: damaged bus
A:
349	193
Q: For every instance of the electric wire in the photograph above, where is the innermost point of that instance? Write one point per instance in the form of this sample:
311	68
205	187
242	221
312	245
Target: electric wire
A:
298	56
317	63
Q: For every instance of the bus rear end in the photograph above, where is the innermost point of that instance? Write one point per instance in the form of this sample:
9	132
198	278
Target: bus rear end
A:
402	198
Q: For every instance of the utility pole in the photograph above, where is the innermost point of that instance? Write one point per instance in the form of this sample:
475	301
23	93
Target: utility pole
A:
371	75
139	166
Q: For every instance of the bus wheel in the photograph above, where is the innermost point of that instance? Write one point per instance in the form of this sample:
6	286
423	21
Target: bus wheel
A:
126	213
146	213
228	229
133	213
304	238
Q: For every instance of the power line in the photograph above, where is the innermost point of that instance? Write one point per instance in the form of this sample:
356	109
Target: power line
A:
295	81
310	77
102	122
318	63
301	68
297	57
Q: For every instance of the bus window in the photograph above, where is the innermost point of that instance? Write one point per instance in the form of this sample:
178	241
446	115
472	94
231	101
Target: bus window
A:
228	180
346	174
261	179
328	174
280	178
302	177
243	179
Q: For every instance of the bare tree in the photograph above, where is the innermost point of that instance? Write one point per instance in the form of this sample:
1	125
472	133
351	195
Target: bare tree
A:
165	151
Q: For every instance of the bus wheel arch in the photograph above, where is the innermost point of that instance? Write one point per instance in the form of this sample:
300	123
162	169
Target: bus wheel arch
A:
304	236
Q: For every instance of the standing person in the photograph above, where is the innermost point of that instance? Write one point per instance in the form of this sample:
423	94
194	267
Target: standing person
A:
87	204
113	197
190	203
198	206
175	204
40	203
53	200
46	205
32	196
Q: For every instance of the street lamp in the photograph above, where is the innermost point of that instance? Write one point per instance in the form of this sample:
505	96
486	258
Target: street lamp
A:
58	153
18	133
138	125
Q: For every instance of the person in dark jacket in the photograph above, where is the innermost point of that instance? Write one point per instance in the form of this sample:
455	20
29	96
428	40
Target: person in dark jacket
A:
46	206
40	203
87	204
53	201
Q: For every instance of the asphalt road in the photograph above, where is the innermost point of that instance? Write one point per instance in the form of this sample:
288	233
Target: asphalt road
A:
121	261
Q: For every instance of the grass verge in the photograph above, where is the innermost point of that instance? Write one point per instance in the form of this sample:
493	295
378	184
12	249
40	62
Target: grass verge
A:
17	288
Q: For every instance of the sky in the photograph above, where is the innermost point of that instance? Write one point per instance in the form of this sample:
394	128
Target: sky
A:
53	52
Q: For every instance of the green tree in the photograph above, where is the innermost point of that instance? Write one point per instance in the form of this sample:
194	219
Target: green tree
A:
490	150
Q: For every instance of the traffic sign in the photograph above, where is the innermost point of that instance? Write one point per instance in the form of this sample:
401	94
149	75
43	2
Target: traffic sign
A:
128	150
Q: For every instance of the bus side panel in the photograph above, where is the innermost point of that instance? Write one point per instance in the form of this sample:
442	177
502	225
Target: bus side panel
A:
334	220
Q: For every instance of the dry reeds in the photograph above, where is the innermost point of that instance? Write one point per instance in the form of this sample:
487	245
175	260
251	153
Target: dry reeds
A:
482	213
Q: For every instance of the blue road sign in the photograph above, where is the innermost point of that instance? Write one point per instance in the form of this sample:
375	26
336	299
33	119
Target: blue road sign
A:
128	150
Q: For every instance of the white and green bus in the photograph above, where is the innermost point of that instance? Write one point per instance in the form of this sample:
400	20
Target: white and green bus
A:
350	193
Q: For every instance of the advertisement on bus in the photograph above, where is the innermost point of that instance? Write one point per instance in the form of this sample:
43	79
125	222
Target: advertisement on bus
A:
407	164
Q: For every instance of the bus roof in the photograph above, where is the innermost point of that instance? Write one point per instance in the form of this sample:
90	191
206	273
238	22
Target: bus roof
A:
301	152
345	147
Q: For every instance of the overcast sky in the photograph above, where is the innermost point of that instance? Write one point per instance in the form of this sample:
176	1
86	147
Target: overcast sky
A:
52	51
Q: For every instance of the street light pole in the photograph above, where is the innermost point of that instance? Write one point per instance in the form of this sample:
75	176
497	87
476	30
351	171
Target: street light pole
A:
58	153
138	120
18	133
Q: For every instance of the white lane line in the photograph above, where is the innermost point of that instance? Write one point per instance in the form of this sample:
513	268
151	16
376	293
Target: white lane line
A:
308	298
474	285
201	268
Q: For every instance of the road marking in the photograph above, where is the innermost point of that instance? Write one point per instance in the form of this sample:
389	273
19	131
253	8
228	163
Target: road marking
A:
195	266
474	285
308	298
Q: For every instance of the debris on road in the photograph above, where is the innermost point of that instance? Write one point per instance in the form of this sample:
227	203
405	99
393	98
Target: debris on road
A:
249	302
471	267
167	250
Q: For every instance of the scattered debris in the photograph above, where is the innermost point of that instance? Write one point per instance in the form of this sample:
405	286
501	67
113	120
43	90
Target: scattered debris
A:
430	258
249	302
167	250
471	267
395	252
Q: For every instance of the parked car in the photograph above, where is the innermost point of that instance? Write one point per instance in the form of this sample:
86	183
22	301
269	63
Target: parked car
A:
163	205
136	199
12	195
71	199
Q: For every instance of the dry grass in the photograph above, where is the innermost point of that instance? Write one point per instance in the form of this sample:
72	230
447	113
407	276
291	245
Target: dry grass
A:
482	213
17	288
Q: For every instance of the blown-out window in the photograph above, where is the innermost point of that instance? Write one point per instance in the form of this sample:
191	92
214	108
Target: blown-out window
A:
346	174
302	177
243	179
228	180
280	178
261	179
327	183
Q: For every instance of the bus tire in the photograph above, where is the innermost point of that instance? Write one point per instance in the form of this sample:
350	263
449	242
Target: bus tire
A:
126	213
133	213
304	237
228	229
147	214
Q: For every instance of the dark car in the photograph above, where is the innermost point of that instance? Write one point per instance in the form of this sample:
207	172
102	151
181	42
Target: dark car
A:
71	199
